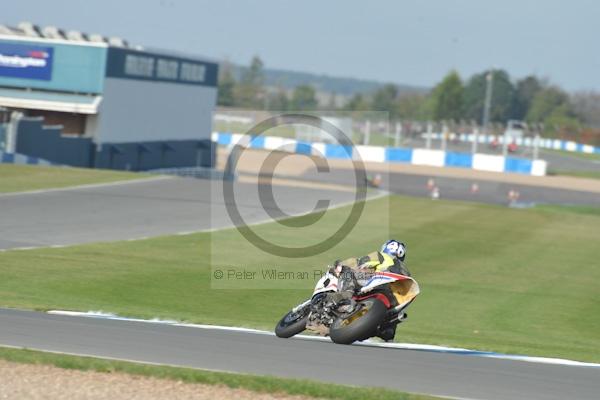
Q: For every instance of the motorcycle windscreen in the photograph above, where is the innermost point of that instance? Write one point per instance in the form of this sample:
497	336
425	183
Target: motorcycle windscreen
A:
405	291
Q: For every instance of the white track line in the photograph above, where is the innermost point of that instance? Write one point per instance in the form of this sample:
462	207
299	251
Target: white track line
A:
89	186
403	346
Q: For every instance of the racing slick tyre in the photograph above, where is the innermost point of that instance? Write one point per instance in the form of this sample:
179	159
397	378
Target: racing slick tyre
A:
360	325
291	324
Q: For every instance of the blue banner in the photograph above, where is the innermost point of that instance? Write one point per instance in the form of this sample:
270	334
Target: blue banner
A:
26	61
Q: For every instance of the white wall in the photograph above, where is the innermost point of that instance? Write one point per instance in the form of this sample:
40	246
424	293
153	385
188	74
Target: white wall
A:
137	110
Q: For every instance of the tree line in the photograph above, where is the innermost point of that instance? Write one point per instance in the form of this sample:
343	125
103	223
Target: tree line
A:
250	91
536	101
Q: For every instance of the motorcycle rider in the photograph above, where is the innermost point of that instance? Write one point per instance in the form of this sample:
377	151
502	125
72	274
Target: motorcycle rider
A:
390	258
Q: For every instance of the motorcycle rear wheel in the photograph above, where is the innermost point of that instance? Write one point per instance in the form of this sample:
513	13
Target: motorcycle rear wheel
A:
290	325
360	325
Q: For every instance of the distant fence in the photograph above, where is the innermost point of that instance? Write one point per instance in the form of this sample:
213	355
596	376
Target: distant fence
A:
437	158
552	144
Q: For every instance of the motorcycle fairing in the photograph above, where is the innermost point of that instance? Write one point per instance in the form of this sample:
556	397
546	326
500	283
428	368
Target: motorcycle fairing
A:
404	288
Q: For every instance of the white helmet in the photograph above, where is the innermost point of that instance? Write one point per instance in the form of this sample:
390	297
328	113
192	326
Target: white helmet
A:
395	249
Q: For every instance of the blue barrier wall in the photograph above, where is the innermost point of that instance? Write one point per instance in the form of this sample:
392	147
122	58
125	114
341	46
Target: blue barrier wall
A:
483	162
398	155
36	140
338	151
2	136
15	158
303	148
142	156
454	159
520	165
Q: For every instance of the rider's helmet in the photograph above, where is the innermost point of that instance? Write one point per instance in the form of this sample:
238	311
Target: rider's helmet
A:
395	249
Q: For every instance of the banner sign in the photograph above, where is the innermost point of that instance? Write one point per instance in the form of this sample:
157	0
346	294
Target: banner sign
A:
26	61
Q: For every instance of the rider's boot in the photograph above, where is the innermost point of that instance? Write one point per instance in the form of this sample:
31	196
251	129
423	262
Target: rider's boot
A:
342	300
389	332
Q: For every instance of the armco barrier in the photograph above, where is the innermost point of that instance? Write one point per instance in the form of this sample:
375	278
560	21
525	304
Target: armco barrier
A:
436	158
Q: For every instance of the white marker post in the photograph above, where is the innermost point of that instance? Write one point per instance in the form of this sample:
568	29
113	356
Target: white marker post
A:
398	134
429	134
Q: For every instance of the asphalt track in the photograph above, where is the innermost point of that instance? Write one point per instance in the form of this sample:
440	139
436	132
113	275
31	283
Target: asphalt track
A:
458	376
490	192
177	205
142	208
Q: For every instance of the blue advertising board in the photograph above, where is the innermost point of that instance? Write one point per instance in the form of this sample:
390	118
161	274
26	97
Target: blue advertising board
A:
26	61
69	67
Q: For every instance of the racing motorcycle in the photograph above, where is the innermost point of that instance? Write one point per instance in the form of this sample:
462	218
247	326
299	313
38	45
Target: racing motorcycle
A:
373	311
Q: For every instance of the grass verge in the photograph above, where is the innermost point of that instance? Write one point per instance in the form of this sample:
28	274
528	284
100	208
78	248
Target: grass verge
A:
576	154
493	278
18	178
264	384
577	174
589	210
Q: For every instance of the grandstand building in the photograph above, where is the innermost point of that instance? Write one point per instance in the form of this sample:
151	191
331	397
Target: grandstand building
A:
89	101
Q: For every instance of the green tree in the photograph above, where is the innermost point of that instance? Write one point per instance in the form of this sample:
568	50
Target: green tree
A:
304	98
553	107
226	86
414	106
503	93
358	102
526	89
447	98
384	99
587	107
279	101
562	121
250	91
545	102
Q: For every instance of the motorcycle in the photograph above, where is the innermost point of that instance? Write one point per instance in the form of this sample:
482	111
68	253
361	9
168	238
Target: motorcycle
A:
373	311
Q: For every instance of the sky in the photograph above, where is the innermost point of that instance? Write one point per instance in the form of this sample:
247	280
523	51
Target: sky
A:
414	42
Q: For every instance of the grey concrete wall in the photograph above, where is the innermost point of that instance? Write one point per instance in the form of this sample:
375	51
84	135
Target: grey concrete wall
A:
141	111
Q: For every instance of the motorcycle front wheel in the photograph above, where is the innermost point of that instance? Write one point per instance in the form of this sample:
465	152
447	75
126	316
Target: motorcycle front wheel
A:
291	324
359	325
